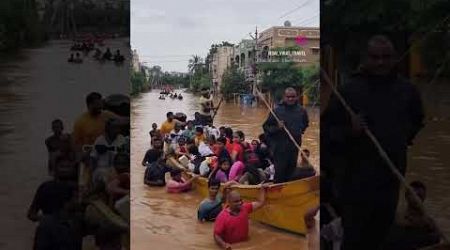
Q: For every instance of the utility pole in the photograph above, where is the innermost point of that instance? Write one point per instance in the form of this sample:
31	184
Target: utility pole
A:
255	60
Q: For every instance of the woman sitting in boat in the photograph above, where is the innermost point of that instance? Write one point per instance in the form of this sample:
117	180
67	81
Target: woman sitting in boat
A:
175	183
220	150
237	152
254	174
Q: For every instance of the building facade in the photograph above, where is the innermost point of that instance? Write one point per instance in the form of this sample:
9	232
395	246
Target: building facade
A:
221	60
135	61
284	43
244	58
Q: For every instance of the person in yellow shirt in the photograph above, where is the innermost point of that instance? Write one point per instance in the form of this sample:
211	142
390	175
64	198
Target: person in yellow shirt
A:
199	136
168	125
91	124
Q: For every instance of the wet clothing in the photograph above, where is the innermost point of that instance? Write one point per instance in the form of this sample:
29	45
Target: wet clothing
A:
56	233
155	174
87	127
51	196
209	210
152	155
285	153
167	127
174	186
367	190
233	228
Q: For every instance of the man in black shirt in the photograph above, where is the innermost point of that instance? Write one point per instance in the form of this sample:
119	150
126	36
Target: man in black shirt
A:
295	118
392	109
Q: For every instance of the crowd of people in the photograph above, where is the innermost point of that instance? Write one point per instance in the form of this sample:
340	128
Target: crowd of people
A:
182	151
89	190
99	55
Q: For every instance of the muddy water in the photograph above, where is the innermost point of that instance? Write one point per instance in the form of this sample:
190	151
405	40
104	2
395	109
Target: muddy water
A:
163	221
429	157
36	87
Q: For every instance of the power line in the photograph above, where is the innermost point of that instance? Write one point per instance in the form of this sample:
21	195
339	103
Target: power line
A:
297	8
308	20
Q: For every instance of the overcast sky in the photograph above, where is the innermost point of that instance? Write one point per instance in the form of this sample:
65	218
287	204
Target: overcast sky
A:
168	32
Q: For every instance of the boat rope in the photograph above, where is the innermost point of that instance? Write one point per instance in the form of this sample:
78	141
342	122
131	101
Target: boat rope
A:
284	127
383	154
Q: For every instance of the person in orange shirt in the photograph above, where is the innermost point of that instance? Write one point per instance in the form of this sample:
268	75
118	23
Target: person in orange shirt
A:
168	125
91	124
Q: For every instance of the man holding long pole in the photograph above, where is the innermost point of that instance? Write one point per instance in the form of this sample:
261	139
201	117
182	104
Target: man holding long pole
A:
391	108
294	118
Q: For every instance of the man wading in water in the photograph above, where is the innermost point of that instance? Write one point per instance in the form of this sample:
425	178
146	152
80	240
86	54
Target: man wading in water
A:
392	109
294	117
207	108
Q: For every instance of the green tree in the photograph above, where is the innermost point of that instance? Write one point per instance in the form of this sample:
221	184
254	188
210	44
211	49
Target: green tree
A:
278	76
233	81
138	83
201	81
311	84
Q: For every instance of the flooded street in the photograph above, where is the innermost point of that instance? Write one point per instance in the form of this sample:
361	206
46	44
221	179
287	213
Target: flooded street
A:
429	158
36	87
169	222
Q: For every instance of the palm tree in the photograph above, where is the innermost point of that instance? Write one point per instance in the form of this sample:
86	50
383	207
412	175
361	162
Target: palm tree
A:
195	64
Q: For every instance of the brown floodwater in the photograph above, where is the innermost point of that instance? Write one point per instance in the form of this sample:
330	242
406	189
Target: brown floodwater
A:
37	86
168	221
429	157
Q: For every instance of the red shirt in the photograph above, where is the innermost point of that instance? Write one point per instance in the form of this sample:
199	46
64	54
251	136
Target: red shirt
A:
229	146
240	151
233	229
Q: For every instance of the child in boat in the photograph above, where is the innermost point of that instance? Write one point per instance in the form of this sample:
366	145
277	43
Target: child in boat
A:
225	172
232	223
210	207
175	183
